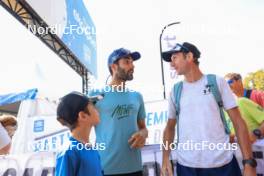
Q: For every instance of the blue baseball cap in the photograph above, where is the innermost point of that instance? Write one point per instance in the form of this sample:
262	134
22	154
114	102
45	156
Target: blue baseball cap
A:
122	52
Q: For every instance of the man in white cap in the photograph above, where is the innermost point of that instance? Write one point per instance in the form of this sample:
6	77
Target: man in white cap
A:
200	121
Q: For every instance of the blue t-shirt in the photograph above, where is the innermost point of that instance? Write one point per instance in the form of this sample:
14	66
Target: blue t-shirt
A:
119	113
74	161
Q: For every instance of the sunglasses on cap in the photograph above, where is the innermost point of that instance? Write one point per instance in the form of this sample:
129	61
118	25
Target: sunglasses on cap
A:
179	47
96	98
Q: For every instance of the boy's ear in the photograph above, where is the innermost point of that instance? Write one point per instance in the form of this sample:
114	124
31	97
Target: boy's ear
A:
81	115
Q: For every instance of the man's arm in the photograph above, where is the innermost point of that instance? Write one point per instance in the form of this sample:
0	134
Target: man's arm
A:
241	131
138	139
6	149
168	137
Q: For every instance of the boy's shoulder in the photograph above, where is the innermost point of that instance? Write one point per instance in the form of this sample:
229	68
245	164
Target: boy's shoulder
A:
71	150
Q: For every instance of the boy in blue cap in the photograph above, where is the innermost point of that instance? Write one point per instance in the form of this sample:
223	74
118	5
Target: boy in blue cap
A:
122	114
77	112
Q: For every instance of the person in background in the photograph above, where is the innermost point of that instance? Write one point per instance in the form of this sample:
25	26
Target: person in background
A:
250	103
8	126
235	82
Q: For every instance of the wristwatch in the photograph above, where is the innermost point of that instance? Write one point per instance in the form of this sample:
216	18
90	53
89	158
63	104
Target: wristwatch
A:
257	133
252	162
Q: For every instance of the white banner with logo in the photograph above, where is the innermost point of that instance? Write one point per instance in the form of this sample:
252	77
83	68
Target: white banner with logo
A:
43	163
39	134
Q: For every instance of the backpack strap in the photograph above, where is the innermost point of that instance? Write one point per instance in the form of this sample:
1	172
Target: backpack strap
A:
212	84
177	94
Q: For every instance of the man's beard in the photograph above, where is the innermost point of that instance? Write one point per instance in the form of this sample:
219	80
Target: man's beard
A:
123	75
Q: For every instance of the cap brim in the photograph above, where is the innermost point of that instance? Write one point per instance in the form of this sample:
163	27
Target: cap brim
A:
166	56
135	55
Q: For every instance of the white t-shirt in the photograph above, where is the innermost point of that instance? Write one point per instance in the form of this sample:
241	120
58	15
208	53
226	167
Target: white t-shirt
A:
4	137
200	125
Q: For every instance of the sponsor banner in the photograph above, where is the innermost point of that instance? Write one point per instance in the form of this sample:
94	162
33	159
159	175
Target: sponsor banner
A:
43	163
45	133
71	22
156	119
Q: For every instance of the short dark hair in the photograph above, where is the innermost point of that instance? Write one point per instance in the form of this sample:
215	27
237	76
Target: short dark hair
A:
233	76
195	60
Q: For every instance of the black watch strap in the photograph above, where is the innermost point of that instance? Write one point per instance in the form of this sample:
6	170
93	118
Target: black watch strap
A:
252	162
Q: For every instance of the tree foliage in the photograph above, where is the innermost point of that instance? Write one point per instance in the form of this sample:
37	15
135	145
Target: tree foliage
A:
255	80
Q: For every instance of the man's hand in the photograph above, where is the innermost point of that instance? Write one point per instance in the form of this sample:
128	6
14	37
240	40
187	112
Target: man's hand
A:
137	140
249	171
166	169
252	137
168	137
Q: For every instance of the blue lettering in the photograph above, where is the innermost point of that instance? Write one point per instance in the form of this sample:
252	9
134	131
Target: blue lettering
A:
158	119
149	119
61	137
53	140
46	145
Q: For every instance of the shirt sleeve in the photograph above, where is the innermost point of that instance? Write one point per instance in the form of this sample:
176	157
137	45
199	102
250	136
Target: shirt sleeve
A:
228	97
250	107
66	164
171	107
141	111
4	137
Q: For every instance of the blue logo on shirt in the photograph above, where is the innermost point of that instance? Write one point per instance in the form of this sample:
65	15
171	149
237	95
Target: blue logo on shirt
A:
122	111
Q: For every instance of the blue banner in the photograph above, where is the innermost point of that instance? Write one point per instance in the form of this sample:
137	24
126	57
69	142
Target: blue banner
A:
79	34
15	97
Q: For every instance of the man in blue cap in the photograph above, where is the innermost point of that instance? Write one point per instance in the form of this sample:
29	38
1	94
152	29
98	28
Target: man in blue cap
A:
122	127
194	105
